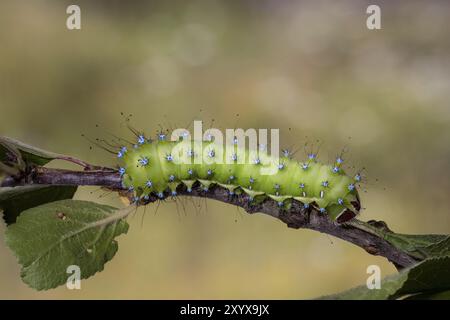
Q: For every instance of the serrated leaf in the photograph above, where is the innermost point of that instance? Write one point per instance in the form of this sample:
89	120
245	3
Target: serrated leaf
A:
49	238
429	276
17	199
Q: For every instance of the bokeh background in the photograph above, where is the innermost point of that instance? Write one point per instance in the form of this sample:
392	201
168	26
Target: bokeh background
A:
310	68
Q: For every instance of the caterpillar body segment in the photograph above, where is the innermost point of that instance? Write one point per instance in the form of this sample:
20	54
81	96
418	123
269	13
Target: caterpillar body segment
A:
160	166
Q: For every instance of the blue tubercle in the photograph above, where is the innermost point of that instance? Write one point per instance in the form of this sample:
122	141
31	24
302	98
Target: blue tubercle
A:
141	139
122	152
143	161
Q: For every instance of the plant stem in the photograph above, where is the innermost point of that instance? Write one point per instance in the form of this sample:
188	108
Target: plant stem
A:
357	232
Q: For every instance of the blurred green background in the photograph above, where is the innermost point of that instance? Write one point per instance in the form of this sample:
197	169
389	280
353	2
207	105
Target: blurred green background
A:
311	66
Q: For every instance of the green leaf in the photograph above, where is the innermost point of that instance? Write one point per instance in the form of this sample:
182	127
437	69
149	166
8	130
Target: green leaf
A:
7	152
442	295
421	246
440	248
427	277
17	199
11	162
50	238
29	153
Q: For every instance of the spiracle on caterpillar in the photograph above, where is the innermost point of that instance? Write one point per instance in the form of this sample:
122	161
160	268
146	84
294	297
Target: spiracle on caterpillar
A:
161	167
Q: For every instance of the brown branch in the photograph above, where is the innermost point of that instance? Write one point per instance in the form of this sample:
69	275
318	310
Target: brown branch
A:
359	233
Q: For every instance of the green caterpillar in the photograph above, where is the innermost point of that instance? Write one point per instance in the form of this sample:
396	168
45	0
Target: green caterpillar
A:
159	167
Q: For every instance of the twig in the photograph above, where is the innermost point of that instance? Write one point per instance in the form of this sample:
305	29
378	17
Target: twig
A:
356	232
